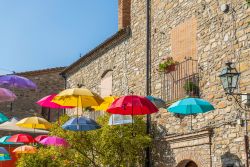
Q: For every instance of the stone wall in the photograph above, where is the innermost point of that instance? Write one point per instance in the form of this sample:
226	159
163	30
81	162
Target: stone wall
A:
220	37
48	81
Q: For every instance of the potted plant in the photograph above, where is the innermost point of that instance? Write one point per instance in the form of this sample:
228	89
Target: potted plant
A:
167	65
191	88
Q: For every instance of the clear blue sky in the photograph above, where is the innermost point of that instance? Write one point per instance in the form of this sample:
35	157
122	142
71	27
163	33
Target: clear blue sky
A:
38	34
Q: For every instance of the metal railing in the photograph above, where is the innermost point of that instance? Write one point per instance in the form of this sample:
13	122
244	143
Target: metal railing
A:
182	82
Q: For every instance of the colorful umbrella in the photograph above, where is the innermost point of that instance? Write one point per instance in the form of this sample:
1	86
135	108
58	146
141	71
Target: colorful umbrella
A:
78	97
3	140
105	104
5	157
21	138
6	95
116	119
3	118
11	126
47	102
15	81
190	106
54	141
25	149
80	124
158	102
132	105
34	122
3	151
40	137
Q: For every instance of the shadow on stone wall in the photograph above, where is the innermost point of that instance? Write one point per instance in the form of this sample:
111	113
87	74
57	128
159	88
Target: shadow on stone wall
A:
230	160
162	154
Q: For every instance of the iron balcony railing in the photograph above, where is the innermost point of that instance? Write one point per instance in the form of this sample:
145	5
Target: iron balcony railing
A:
182	82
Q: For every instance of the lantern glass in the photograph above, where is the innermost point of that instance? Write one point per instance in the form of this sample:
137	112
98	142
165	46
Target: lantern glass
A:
229	78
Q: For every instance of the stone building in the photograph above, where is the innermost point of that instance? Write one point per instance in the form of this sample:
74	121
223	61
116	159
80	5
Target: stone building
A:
48	81
202	35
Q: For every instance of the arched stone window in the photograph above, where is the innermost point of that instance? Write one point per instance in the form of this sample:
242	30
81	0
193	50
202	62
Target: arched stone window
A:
106	83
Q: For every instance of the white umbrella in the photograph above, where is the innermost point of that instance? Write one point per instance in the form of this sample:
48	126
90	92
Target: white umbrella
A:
11	126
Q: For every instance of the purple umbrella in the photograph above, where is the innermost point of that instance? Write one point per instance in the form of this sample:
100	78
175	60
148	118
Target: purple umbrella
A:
15	81
6	95
54	141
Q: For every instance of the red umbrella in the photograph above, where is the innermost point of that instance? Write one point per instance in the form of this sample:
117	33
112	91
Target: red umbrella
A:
132	105
47	102
21	138
40	137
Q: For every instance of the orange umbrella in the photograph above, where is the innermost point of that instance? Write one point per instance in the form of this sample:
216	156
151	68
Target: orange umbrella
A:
25	149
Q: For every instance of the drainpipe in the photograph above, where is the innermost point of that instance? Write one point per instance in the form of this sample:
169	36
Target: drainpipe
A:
148	76
65	86
246	140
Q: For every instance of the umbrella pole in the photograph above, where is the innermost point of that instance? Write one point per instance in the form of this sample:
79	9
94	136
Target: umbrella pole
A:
191	122
58	116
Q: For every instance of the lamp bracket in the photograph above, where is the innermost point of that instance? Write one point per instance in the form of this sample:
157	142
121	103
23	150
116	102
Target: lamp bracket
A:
236	97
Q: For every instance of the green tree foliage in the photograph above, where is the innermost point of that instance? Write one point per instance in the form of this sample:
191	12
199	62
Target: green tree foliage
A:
113	146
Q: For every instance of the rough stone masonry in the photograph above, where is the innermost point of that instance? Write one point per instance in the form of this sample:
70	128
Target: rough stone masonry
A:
179	28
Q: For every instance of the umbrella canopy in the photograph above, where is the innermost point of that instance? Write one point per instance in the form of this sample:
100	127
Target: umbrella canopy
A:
40	137
54	141
3	151
77	97
6	95
11	126
21	138
5	157
189	106
3	140
158	102
25	149
17	82
80	124
116	119
47	102
132	105
105	104
34	122
3	118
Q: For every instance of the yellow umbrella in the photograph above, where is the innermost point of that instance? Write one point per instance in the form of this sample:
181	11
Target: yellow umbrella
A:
25	149
34	122
105	105
77	97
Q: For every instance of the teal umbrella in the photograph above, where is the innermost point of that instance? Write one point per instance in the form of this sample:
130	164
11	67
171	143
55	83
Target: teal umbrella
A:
190	106
3	140
4	157
3	118
158	102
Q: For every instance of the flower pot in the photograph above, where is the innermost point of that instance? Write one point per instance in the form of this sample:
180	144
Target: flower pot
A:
170	68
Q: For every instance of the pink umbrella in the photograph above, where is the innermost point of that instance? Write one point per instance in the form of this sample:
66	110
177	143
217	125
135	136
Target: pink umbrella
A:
6	95
54	141
47	102
40	138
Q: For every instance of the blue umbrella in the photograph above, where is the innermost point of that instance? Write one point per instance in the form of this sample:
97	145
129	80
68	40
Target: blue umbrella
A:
189	106
117	119
4	157
80	124
3	118
3	151
3	140
158	102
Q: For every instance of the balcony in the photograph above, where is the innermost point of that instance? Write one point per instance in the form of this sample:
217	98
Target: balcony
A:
182	82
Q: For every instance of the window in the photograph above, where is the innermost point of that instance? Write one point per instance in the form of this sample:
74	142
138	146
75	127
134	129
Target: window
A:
106	83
